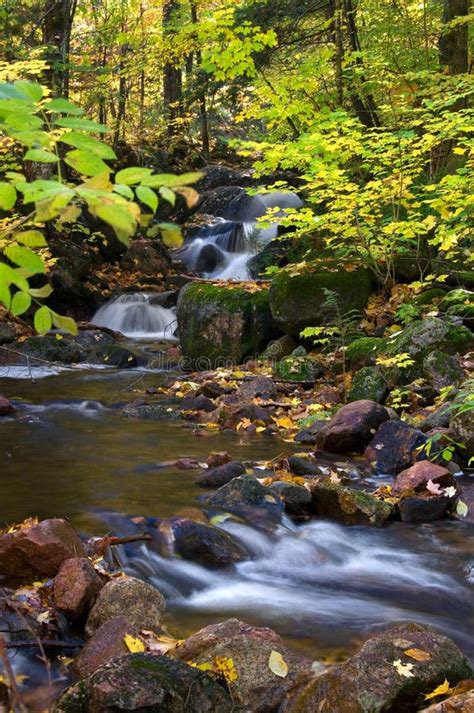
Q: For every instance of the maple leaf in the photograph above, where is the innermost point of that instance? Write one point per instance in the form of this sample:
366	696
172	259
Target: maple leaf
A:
433	488
404	669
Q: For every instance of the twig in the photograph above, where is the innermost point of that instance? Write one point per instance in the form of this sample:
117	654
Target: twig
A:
11	676
46	643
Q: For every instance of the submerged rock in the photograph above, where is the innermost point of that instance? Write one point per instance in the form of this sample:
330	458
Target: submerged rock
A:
220	475
39	549
141	604
382	677
146	682
395	446
256	687
353	426
246	496
204	544
76	587
347	505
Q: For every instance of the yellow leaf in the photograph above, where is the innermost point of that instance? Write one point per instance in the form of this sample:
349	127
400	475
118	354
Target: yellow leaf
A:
417	654
226	667
285	422
277	664
134	645
442	690
404	669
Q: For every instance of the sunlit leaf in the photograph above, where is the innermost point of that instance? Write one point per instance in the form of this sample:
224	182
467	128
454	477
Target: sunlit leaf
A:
20	303
7	196
442	690
277	664
43	320
133	644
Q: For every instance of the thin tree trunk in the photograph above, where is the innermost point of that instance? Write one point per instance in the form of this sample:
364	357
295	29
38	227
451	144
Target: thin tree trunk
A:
201	82
453	44
56	29
172	77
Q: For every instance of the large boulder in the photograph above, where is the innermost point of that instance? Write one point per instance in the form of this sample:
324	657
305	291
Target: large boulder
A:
39	550
418	476
218	324
141	604
256	687
395	446
383	676
363	352
296	300
353	426
441	370
146	682
147	257
247	497
347	505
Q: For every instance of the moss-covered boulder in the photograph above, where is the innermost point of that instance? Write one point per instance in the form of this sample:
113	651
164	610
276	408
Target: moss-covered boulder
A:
221	323
296	300
433	294
246	497
298	369
459	303
441	370
347	505
363	351
368	383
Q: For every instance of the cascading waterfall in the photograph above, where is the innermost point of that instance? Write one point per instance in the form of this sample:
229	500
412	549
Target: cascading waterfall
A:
138	316
222	250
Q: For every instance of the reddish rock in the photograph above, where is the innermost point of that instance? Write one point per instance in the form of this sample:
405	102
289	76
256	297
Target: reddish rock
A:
6	407
39	550
395	446
107	643
417	477
76	587
216	459
353	426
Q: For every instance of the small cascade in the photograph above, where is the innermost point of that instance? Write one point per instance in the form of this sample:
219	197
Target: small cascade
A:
138	316
222	250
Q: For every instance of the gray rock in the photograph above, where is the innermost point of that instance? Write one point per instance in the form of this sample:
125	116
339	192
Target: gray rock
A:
368	383
220	475
245	496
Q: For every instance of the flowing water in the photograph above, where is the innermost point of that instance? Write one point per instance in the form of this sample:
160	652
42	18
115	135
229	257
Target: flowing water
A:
69	452
138	316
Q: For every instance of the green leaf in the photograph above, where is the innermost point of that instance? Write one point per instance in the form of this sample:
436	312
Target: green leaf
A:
169	179
118	216
72	122
86	163
32	90
10	275
124	191
88	143
20	303
50	207
171	235
148	197
7	196
168	194
5	295
65	324
32	138
41	292
40	156
31	239
43	320
23	122
24	257
133	175
63	106
39	189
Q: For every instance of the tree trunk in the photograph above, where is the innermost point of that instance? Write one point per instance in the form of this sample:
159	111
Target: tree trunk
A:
56	27
172	76
453	44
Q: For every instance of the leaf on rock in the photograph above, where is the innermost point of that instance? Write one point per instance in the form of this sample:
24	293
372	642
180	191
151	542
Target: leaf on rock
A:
404	669
442	690
417	654
134	645
461	509
277	664
433	488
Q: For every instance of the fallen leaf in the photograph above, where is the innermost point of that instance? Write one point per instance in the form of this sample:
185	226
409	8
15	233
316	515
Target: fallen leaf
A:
403	669
433	488
417	654
461	509
442	690
277	664
450	492
134	645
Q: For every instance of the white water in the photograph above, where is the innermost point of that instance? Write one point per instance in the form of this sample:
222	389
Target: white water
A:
136	316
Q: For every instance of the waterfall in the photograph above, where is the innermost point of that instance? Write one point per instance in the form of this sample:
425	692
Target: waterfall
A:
138	316
222	250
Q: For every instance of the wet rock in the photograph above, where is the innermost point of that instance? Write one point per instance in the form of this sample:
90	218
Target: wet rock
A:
395	446
296	498
218	175
6	407
219	201
441	370
309	435
417	477
363	351
368	383
424	508
369	682
211	389
279	348
139	602
107	643
462	703
209	259
204	544
217	324
39	550
76	587
260	386
256	687
114	355
296	300
48	348
216	459
298	369
146	682
302	466
347	505
353	426
220	475
246	496
148	411
253	412
198	403
146	256
7	333
462	424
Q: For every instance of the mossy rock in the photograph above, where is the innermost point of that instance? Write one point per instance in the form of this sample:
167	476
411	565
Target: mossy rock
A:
299	369
362	352
53	348
465	278
349	506
368	383
459	303
296	300
429	296
441	370
218	324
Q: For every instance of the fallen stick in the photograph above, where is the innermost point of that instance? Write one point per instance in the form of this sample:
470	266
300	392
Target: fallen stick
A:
46	643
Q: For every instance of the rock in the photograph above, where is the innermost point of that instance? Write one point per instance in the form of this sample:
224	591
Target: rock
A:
279	348
427	297
114	355
220	475
302	466
462	424
363	351
368	383
298	369
204	544
6	407
256	687
296	498
441	370
417	477
395	446
218	323
426	508
369	682
106	643
353	426
146	256
64	351
462	703
224	202
211	389
246	496
39	550
218	175
148	411
7	332
347	505
146	682
459	303
296	300
198	403
437	419
216	459
232	415
76	587
260	386
309	435
141	604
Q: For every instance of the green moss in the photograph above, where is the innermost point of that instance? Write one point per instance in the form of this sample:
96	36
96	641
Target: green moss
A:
363	351
297	369
368	383
428	296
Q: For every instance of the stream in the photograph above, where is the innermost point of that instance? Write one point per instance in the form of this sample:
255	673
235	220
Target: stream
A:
69	452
